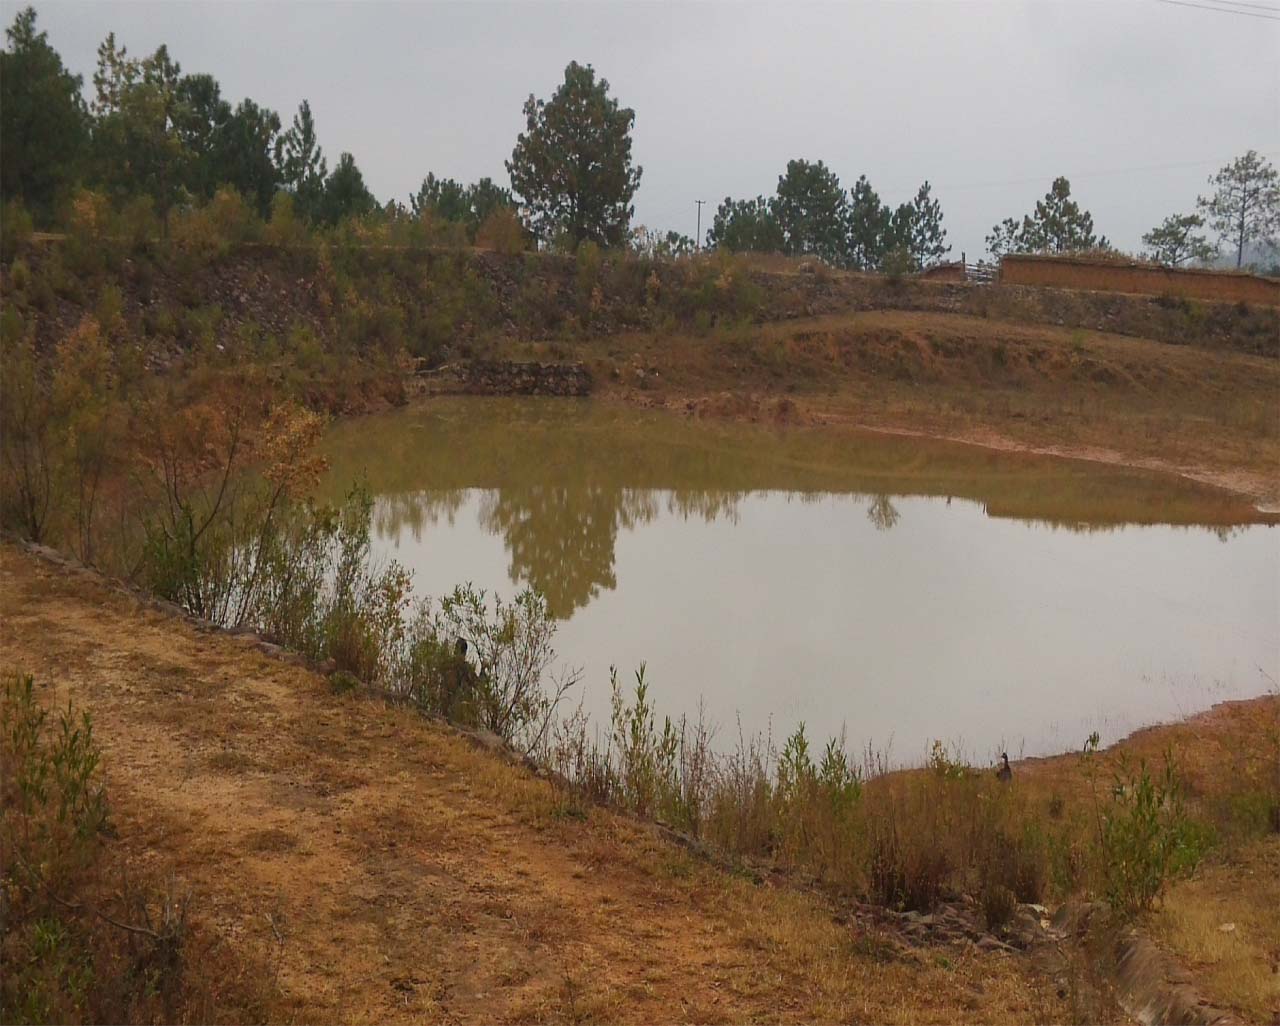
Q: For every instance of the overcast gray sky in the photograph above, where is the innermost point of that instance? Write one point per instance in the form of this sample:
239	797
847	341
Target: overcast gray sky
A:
988	100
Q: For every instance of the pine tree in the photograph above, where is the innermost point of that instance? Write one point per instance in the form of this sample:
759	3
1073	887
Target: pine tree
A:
1175	241
812	211
571	166
443	197
869	226
303	170
745	226
43	119
926	238
1057	225
345	194
1245	206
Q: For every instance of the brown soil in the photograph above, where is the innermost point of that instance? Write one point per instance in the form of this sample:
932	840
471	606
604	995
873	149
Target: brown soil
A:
1211	416
387	870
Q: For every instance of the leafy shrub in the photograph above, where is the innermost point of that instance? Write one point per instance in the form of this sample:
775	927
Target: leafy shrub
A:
1144	836
897	264
589	264
502	232
75	944
285	228
943	763
53	810
26	441
646	759
210	231
51	787
20	275
364	619
205	524
137	224
89	221
511	649
16	227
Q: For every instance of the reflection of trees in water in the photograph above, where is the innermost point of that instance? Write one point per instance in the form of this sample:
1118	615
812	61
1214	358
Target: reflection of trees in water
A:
882	512
415	510
562	539
710	504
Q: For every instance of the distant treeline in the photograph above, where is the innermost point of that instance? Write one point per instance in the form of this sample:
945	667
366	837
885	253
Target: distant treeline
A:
154	140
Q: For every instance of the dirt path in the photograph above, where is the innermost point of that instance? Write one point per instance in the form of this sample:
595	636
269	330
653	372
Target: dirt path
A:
393	872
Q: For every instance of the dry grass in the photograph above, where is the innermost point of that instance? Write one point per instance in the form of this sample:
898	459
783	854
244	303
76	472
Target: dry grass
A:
1224	925
430	879
89	934
1209	413
411	873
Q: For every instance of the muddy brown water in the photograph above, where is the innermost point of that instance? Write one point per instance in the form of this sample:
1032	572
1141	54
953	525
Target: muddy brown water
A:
899	589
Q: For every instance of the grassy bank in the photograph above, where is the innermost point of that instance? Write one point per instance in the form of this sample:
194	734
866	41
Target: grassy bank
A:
110	330
170	703
1066	391
161	405
383	868
1121	827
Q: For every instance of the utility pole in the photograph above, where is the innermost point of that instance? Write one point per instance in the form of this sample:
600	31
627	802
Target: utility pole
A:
697	239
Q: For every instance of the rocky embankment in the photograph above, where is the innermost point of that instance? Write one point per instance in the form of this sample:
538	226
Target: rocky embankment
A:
506	377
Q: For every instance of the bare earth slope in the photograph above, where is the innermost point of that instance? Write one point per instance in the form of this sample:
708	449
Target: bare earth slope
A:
390	871
1207	414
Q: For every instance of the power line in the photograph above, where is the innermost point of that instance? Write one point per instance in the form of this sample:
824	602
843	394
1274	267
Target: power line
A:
1089	174
1221	7
1246	3
1221	10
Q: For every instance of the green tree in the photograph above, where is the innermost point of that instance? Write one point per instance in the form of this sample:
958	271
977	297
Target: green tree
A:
1175	241
923	234
43	120
469	205
1057	225
486	197
201	118
301	162
812	211
137	147
444	197
1245	205
572	167
674	244
745	226
245	154
345	194
1006	237
869	226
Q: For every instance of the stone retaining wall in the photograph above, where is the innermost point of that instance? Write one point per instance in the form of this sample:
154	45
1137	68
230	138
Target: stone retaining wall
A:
509	377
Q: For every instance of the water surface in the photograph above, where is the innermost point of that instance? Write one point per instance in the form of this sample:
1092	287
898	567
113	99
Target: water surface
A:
902	588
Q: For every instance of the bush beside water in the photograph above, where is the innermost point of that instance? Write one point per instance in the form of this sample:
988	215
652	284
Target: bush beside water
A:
206	507
251	555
